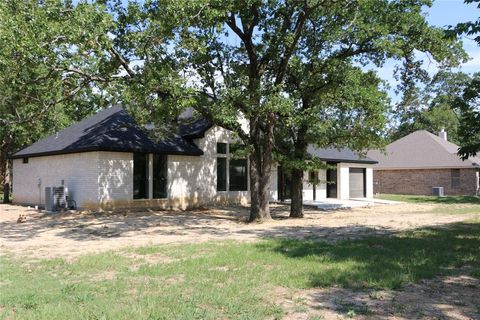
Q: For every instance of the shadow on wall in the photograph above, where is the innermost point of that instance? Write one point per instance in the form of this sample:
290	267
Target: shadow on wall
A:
192	182
115	177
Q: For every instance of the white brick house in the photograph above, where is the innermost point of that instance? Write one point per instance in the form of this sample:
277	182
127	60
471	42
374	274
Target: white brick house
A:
106	161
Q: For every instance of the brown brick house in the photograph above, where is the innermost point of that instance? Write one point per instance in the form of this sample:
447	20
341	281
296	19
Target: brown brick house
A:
420	161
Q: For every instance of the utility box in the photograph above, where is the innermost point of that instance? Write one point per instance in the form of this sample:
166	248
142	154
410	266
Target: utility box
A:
438	191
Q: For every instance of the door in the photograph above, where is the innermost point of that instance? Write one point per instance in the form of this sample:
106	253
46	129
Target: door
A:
357	183
331	182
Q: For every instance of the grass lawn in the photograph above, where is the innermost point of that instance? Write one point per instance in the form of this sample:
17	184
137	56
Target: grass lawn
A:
225	279
431	199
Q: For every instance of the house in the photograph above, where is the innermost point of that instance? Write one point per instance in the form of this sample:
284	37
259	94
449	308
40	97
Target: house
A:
107	161
421	161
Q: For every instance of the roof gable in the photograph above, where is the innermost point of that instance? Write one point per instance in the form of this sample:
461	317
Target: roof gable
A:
421	149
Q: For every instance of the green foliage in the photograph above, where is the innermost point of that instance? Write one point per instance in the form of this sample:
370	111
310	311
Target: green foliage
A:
433	107
469	108
432	199
215	280
48	62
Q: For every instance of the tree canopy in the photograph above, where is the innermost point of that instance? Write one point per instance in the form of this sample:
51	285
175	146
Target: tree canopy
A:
47	68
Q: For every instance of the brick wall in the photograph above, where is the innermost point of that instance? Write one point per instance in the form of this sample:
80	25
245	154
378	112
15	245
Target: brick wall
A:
78	170
421	181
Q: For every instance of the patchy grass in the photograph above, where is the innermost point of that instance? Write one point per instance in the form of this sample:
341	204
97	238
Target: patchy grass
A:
431	199
226	279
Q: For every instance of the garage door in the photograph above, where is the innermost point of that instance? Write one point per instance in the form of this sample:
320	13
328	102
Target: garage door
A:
357	182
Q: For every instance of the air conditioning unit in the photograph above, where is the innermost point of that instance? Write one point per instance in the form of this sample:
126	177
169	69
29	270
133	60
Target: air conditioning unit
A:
438	191
60	195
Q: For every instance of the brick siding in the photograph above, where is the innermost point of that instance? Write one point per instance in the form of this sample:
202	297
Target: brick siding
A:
421	181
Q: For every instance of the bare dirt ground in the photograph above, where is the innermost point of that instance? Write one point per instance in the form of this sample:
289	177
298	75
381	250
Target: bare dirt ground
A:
69	235
452	297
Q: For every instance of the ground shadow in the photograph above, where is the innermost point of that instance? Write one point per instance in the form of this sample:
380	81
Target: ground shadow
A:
397	263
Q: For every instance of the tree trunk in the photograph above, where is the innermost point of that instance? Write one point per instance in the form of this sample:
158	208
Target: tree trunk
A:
260	171
296	207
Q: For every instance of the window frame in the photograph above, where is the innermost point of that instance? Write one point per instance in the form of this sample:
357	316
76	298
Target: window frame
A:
228	159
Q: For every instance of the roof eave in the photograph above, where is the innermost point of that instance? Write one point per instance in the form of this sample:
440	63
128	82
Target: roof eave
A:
60	152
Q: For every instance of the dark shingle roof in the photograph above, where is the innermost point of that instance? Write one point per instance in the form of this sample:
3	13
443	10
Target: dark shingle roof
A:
109	130
421	149
195	129
339	155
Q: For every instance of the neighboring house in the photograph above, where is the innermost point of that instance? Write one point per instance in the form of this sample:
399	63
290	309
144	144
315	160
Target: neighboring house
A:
421	161
107	161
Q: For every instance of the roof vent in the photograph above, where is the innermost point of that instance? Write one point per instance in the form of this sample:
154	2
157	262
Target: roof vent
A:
443	134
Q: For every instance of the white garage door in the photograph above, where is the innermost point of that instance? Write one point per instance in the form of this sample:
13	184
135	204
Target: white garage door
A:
357	182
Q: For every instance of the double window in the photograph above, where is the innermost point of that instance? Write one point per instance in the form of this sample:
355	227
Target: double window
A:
142	175
232	173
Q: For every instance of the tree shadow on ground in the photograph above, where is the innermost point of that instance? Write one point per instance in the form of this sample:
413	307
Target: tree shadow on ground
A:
397	263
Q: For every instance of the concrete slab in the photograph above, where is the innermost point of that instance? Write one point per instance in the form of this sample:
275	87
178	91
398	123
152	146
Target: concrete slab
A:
335	204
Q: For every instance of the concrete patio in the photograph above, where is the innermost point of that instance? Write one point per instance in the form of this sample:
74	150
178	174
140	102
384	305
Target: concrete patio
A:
335	204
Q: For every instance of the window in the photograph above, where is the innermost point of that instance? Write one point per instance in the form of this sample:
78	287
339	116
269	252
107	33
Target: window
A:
221	148
140	176
455	178
221	174
159	176
232	173
238	174
25	160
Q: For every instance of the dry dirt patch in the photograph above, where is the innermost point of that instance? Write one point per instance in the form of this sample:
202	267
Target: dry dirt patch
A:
71	234
451	297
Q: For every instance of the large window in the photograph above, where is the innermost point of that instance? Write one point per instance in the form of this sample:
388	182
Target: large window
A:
238	174
232	174
159	176
140	176
221	174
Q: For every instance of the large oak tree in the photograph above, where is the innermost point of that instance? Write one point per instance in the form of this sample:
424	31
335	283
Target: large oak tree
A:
232	60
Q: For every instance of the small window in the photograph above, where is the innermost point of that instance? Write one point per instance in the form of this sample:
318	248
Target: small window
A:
25	160
455	178
221	148
238	174
221	174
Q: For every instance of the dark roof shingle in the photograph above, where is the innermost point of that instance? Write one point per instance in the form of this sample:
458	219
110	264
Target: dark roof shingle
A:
111	129
339	155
